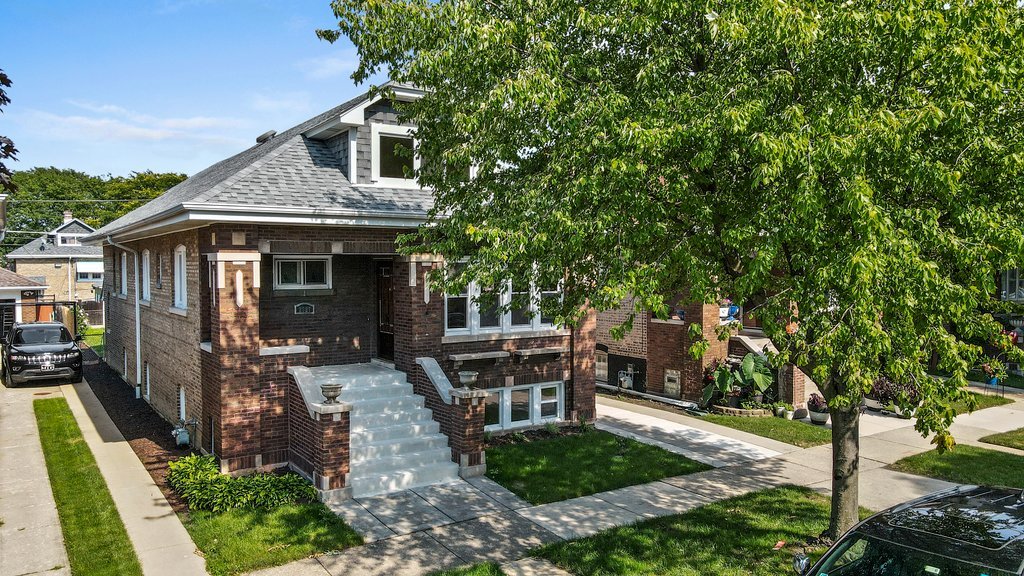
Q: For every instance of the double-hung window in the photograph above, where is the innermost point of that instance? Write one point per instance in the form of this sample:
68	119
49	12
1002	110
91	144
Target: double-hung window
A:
180	281
145	275
123	273
519	406
1013	285
302	272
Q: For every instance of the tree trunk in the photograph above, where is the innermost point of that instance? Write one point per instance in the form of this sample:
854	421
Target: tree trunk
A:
845	469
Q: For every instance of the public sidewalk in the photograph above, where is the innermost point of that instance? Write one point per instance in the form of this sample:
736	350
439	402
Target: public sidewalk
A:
31	541
161	542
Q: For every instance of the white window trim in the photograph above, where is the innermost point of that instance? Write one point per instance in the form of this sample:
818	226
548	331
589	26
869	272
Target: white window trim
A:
123	287
146	293
1013	293
181	277
597	355
376	130
473	326
182	412
75	237
505	406
89	278
303	258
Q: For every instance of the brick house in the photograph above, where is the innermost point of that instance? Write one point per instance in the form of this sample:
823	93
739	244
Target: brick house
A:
655	356
236	295
59	260
18	296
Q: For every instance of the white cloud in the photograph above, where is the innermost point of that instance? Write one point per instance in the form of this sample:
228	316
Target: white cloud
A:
149	121
127	128
326	67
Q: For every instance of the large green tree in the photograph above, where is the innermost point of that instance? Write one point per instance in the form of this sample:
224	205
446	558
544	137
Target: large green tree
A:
43	194
7	150
856	167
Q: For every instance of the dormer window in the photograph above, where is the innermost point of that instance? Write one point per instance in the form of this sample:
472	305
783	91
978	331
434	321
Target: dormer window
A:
391	155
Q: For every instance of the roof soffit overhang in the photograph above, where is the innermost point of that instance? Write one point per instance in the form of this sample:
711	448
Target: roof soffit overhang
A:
354	116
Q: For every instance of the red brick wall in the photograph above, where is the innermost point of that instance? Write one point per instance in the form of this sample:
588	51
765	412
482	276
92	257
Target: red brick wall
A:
169	341
669	349
319	445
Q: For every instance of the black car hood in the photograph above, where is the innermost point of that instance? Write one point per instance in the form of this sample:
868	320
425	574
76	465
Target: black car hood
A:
42	348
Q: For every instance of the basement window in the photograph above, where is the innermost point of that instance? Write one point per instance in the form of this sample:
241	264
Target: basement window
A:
519	406
302	272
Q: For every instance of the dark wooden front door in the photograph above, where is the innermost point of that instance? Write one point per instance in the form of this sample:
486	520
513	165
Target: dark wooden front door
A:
385	312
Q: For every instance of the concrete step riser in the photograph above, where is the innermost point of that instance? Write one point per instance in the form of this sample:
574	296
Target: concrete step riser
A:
399	446
412	460
357	395
387	405
362	437
362	422
371	485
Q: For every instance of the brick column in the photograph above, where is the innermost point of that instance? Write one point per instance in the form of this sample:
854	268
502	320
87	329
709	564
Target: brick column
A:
792	386
235	346
467	431
319	441
580	395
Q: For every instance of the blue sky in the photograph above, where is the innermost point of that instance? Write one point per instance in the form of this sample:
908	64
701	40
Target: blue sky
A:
112	87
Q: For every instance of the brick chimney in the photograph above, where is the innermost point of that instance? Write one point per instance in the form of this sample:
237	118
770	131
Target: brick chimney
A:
67	216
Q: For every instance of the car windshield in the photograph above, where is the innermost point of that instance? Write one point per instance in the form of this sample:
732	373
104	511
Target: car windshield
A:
863	556
42	335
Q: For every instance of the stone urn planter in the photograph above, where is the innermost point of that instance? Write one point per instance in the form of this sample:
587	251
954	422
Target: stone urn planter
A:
820	418
468	377
330	392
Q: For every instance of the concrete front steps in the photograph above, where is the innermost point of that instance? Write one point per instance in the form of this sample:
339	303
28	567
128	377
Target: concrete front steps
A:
395	443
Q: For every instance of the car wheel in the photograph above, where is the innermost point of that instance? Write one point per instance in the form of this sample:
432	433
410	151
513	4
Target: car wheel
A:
8	380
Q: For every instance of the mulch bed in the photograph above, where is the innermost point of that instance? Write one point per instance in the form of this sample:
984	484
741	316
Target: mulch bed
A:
147	432
533	435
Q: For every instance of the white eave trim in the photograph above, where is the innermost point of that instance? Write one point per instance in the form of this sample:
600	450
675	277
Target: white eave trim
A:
55	256
354	116
24	287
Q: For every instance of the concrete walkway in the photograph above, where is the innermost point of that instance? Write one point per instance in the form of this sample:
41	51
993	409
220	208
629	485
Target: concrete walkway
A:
162	544
422	530
31	541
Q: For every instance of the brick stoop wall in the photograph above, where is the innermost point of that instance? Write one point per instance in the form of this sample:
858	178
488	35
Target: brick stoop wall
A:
318	443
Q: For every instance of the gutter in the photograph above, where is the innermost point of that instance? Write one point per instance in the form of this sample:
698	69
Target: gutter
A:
138	320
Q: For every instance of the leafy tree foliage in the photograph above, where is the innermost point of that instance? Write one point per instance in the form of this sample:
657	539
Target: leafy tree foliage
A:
43	195
855	168
7	149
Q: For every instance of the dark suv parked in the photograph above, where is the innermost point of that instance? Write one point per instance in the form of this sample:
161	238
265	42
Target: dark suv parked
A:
964	531
40	351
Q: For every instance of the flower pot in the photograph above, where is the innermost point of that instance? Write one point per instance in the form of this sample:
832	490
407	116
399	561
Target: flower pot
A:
819	418
873	405
734	401
759	398
789	414
780	412
330	392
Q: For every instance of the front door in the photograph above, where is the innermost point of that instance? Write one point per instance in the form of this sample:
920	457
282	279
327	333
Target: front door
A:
385	312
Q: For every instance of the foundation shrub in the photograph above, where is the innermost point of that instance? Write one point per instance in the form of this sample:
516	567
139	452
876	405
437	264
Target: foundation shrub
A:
198	481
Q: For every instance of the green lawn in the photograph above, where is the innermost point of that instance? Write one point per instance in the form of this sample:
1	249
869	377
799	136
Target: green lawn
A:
733	537
94	535
1011	439
967	465
984	401
94	339
556	469
792	432
240	540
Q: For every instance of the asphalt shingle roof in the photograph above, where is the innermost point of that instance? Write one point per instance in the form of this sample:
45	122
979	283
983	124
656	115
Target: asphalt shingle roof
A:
9	279
288	170
43	248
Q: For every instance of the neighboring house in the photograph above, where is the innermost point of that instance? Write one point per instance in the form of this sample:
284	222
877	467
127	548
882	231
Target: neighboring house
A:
1011	289
654	357
18	298
240	296
60	260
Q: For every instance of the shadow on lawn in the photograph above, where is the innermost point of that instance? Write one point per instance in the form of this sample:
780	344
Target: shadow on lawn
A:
733	536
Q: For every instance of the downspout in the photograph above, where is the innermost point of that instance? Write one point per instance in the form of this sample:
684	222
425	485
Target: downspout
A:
138	319
69	279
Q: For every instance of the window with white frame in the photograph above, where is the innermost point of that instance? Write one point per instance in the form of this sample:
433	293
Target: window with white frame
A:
68	240
520	406
123	271
145	275
479	310
302	272
94	277
180	280
392	157
160	271
1013	285
601	366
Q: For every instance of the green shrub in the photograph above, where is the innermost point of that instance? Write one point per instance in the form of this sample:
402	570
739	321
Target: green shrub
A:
198	481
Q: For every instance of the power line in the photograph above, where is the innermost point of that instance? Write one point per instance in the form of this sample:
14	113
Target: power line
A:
16	201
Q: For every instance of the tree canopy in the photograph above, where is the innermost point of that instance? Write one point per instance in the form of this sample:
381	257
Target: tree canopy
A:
7	149
855	168
43	194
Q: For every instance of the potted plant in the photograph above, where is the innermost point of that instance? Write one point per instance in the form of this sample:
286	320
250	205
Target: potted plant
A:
818	409
784	410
